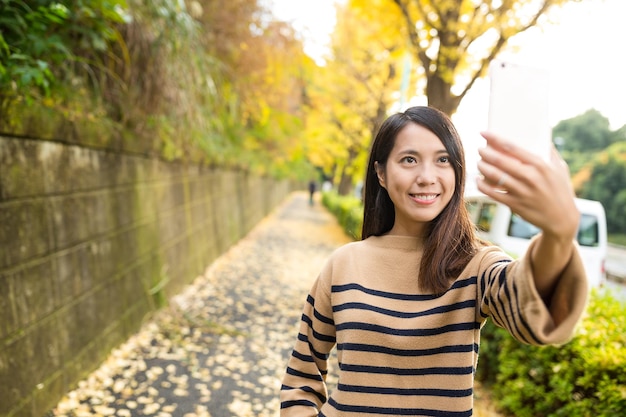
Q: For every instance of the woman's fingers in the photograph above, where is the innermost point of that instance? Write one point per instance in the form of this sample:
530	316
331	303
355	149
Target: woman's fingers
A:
521	154
495	177
501	156
538	190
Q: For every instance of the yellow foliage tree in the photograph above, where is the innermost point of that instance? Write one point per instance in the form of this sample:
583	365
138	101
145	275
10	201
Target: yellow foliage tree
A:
275	91
261	88
454	40
352	93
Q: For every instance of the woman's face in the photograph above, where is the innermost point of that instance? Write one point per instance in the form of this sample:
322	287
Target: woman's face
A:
419	179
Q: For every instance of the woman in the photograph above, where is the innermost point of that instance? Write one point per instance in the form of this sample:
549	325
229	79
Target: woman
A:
405	305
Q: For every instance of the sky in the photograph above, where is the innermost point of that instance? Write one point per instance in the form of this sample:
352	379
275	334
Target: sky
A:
584	51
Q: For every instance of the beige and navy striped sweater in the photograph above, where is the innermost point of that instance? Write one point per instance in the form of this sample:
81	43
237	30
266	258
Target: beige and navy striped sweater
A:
405	353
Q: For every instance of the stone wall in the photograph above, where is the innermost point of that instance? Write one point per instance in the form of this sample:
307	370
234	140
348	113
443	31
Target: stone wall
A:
90	242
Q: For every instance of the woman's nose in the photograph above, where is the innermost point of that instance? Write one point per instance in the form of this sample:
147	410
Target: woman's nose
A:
425	174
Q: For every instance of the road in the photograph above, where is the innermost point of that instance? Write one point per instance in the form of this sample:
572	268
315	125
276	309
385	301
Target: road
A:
616	261
616	271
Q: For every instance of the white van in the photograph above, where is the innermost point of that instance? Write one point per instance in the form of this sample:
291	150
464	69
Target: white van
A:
496	224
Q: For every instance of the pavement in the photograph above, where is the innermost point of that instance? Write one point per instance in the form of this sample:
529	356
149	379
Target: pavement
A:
221	347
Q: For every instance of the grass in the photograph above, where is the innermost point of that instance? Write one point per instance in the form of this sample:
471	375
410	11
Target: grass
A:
617	239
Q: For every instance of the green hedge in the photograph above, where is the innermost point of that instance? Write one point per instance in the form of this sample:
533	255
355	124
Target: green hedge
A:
347	209
585	377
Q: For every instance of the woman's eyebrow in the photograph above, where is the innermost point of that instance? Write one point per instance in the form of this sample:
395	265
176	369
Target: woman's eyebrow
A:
414	152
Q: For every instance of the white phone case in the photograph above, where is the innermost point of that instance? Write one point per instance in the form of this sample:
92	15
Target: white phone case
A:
519	106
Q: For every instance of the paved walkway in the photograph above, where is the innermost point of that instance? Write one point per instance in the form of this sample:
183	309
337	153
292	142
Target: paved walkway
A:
222	346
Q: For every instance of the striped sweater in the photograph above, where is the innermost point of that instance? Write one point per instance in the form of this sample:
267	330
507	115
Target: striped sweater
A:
402	352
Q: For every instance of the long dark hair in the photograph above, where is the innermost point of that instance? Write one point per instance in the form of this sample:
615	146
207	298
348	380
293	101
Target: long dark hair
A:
451	241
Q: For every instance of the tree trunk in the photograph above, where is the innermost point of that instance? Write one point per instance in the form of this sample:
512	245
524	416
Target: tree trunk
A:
345	183
440	95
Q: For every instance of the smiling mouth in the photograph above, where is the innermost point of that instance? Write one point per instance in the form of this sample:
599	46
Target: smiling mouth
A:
424	197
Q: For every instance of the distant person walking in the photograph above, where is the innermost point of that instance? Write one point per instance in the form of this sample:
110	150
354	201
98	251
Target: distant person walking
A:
312	187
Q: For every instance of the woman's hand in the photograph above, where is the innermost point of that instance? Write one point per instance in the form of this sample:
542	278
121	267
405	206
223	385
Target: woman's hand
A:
540	192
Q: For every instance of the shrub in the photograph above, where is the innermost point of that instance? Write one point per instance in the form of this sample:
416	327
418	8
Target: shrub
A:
348	211
585	377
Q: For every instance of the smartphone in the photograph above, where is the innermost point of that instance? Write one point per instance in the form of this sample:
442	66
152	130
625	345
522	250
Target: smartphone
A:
519	105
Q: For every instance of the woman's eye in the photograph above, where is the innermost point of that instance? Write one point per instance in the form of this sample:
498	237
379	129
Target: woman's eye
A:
409	159
444	159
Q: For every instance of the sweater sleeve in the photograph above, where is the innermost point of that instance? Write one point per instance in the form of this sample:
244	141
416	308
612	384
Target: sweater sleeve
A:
304	391
508	295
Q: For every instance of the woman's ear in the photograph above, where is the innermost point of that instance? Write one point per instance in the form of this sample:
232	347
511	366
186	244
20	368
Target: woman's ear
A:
380	173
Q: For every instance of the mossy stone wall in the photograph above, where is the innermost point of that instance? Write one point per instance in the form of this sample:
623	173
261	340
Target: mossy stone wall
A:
93	240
